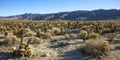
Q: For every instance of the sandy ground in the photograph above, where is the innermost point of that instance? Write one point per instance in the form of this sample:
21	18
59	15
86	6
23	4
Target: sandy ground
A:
53	49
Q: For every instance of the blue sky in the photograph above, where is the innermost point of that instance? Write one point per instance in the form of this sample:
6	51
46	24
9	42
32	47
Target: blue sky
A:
15	7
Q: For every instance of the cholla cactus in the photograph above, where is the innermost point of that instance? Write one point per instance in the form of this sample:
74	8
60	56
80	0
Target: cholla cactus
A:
47	35
27	30
57	32
84	27
50	31
10	40
83	34
15	51
25	50
73	35
67	36
97	48
50	26
14	48
93	36
23	44
22	52
6	33
63	32
36	40
29	52
40	33
3	28
29	34
21	34
100	31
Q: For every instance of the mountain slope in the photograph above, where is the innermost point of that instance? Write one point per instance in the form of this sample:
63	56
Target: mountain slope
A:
100	14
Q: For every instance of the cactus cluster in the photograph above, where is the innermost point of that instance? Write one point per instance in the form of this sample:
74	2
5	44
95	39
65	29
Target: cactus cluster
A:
23	51
83	34
97	47
36	40
67	36
10	40
41	34
38	30
73	35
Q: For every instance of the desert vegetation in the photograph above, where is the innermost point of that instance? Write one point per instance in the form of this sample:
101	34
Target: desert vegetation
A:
56	40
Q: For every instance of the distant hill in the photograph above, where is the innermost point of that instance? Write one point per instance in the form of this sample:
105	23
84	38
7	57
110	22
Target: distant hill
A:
100	14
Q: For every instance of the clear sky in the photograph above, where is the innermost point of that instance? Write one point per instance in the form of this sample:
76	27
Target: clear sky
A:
15	7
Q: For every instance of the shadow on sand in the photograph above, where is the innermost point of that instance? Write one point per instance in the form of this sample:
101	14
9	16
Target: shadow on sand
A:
74	55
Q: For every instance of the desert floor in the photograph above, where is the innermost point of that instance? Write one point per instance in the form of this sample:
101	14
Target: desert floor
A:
53	49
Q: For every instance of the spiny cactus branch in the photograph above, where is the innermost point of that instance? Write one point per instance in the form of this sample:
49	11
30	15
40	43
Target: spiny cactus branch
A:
27	44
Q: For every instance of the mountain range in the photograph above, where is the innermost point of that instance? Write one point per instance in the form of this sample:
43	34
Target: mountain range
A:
100	14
